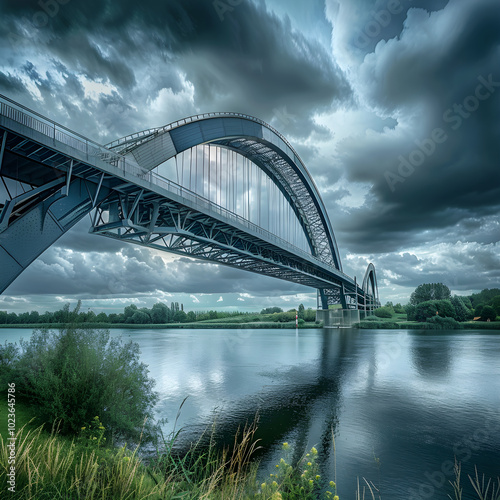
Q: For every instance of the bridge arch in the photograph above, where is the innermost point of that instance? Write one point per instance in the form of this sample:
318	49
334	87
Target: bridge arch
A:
370	286
261	144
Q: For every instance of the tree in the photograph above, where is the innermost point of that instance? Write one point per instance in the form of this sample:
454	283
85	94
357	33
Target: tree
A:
425	310
102	317
160	313
76	374
128	312
271	310
484	297
399	309
140	318
300	311
495	303
180	317
462	313
410	310
478	310
445	309
430	291
488	313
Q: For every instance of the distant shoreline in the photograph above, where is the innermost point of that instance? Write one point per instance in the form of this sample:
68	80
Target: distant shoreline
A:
172	326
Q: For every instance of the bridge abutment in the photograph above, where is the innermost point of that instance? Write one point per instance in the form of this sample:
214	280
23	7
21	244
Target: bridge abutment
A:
339	318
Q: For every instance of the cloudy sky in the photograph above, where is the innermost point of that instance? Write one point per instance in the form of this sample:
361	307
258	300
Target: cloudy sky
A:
393	106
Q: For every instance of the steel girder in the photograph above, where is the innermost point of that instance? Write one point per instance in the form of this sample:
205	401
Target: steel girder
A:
141	217
260	143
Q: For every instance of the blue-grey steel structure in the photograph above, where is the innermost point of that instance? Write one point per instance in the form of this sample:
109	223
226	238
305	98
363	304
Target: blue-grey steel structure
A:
52	177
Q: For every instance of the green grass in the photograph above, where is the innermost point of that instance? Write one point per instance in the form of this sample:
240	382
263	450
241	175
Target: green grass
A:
256	321
23	414
52	467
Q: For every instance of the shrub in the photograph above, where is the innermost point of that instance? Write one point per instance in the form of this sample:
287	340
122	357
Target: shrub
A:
488	313
399	309
77	374
425	310
384	312
411	312
439	323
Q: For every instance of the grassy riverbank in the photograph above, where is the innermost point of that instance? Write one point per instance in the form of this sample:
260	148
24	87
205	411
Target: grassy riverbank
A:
50	466
236	322
399	322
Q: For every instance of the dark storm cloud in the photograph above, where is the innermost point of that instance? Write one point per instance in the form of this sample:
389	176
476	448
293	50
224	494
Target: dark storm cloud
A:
429	78
249	61
10	84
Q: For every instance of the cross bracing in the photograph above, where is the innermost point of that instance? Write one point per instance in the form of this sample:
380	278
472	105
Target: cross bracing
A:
51	177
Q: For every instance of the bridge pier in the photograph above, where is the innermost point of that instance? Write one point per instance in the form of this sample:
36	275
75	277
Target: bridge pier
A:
339	318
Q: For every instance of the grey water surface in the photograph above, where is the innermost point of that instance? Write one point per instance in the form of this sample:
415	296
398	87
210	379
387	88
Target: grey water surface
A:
402	404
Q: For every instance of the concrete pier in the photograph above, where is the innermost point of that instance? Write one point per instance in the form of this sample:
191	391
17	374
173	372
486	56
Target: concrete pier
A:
339	318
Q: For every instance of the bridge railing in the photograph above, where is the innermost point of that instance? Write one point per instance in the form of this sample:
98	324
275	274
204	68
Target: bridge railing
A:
53	130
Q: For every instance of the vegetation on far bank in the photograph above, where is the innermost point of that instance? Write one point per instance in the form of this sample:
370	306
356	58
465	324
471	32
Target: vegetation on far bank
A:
163	316
432	307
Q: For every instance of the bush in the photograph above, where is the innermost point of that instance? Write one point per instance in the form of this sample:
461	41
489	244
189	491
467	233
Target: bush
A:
488	313
439	323
411	312
384	312
74	375
429	309
399	309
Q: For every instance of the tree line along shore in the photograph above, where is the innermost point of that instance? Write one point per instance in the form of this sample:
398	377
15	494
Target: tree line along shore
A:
431	306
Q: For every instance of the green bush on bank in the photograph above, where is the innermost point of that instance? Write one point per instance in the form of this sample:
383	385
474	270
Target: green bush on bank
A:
76	374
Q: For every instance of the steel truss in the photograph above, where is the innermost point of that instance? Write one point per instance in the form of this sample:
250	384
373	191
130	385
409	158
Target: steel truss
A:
51	177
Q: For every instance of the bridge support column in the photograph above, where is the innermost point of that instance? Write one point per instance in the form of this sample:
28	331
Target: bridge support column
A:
339	318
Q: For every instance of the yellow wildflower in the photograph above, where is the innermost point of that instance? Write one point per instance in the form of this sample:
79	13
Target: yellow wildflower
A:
286	446
317	477
336	497
83	428
309	464
314	451
332	484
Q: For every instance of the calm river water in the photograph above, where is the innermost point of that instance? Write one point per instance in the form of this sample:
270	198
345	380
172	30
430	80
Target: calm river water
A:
402	404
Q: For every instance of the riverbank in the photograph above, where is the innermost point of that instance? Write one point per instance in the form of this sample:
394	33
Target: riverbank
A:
48	465
414	325
200	325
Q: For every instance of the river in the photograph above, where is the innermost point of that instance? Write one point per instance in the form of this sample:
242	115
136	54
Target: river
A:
402	404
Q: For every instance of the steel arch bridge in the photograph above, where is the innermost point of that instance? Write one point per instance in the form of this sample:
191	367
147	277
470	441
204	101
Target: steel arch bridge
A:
52	177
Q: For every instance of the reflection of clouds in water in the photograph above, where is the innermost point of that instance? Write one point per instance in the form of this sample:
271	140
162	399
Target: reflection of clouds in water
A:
195	383
217	377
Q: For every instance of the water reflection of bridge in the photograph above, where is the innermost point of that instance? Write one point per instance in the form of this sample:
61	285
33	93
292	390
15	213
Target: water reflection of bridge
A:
241	197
